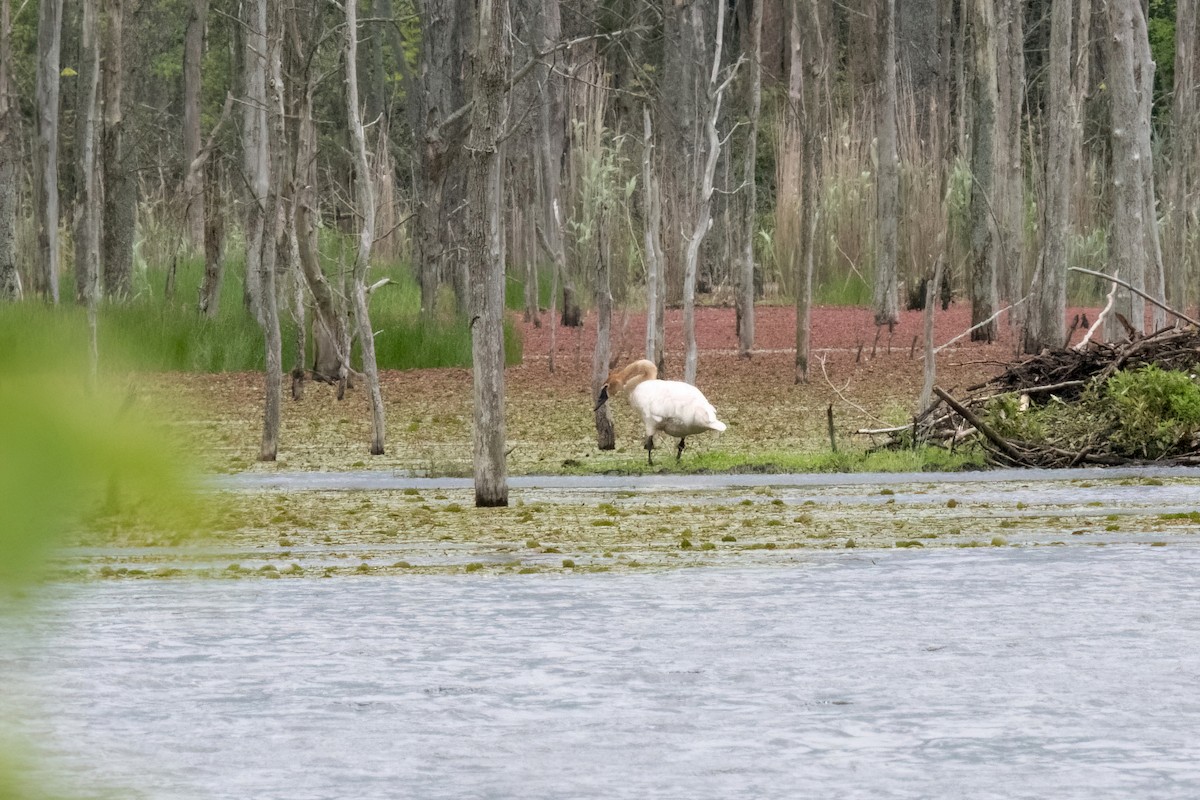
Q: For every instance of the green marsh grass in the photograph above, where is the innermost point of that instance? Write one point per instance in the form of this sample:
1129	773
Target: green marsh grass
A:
158	334
924	459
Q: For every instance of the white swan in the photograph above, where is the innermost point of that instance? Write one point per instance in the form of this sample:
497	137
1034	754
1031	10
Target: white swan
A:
673	407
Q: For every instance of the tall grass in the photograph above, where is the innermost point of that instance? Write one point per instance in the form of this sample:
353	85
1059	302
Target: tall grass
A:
157	334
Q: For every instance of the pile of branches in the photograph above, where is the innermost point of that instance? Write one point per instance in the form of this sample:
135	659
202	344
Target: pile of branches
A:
991	413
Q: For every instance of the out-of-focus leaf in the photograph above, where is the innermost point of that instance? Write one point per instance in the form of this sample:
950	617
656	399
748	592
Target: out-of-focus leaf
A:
66	446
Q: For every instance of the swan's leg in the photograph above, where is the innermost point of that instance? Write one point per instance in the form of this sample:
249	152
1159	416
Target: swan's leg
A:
649	445
679	450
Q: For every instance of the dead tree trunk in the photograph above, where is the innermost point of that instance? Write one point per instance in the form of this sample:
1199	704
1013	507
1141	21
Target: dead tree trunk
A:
331	337
1010	174
985	91
193	181
606	436
365	200
87	186
438	133
120	188
1045	325
10	283
808	68
745	274
887	187
260	214
702	203
45	154
214	241
1129	72
1184	174
485	257
652	246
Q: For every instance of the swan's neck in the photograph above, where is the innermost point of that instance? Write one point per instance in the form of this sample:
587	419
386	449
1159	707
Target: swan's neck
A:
636	373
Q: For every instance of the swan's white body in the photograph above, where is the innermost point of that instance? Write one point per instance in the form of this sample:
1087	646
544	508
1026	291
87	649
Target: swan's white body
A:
673	407
676	408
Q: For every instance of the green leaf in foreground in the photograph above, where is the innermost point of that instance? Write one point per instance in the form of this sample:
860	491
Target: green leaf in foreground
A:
70	445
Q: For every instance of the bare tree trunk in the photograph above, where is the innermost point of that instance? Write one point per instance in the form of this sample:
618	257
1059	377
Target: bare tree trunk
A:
887	187
651	246
606	437
331	337
276	257
985	90
45	154
87	202
550	171
804	262
1184	174
931	292
702	201
532	288
1129	72
10	283
917	50
1045	326
745	275
193	182
488	81
444	28
1010	175
365	197
120	188
807	70
862	42
260	214
679	124
214	241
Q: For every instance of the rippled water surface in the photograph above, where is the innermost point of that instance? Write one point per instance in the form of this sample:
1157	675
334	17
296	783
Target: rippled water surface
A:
996	673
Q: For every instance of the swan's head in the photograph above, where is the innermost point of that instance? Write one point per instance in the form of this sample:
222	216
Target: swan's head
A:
626	378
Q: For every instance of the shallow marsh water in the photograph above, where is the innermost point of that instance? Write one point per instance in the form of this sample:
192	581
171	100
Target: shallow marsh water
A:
295	525
984	673
1058	662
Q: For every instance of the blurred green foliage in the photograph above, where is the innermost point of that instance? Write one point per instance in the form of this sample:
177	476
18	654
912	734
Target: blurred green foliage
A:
70	444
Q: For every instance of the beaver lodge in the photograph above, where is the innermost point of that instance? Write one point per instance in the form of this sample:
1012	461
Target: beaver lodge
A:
1136	402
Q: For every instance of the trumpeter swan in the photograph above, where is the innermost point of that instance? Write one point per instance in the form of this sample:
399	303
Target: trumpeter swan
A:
673	407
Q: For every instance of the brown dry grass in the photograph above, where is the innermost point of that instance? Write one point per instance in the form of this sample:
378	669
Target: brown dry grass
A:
549	414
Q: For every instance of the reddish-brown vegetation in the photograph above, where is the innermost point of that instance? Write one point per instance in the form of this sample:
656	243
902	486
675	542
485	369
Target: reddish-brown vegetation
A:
869	383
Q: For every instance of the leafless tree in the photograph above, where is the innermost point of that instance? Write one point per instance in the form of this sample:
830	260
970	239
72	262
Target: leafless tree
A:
120	185
1010	168
45	154
1045	326
887	185
87	180
484	247
652	246
808	69
1183	178
985	93
260	212
365	201
439	133
87	184
193	183
10	284
745	271
1129	71
701	203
